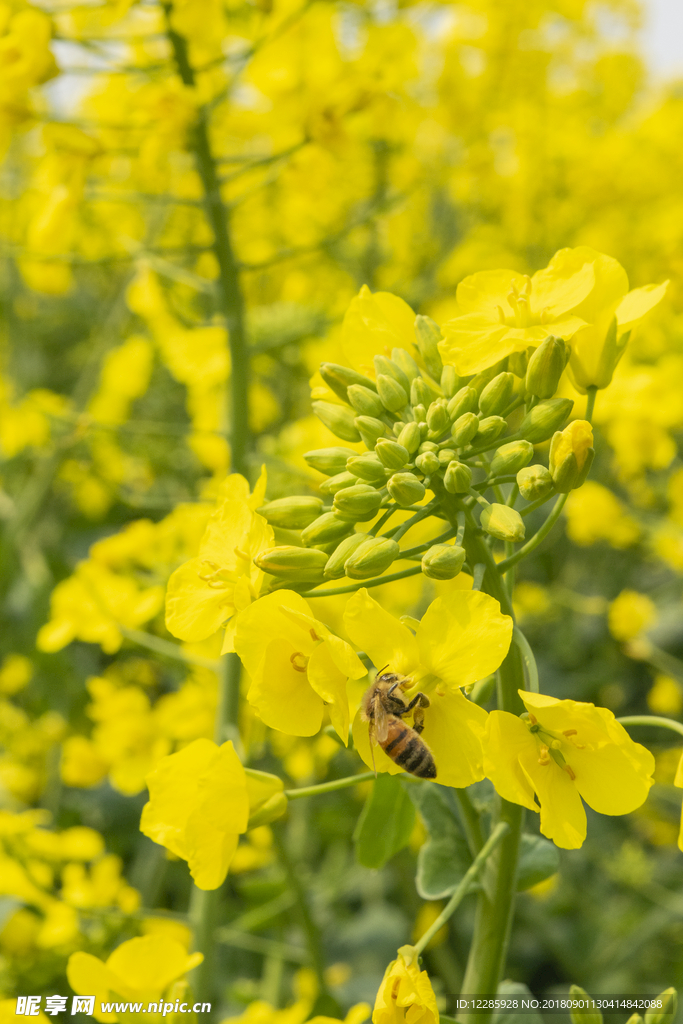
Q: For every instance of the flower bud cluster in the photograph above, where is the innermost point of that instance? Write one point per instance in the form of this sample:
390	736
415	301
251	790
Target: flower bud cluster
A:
424	429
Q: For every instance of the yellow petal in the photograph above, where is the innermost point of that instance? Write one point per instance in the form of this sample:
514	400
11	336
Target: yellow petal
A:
383	638
281	692
485	291
463	637
563	284
506	739
194	610
637	303
373	325
149	962
563	818
89	976
330	685
454	729
474	341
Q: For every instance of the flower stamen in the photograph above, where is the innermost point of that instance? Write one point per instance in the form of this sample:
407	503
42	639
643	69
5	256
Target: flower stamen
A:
301	667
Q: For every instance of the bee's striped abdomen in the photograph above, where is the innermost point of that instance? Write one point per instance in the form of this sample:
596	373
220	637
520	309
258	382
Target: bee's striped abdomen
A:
406	749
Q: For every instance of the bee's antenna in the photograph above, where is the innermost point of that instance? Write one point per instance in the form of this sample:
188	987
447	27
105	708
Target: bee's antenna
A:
382	669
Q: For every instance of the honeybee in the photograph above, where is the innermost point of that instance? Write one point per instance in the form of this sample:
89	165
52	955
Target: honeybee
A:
384	708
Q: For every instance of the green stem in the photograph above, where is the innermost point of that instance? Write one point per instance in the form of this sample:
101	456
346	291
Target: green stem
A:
329	787
311	930
663	723
470	875
478	575
421	548
382	520
513	495
168	649
590	402
399	531
230	289
470	820
528	658
537	538
378	582
665	662
535	504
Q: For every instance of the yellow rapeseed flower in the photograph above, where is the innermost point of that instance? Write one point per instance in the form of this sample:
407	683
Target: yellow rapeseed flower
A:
373	325
223	579
629	614
462	637
406	993
198	807
296	665
141	969
594	513
562	751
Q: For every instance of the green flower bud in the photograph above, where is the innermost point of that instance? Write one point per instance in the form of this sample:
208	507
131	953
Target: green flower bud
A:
489	429
291	513
424	429
405	362
388	368
502	522
497	395
405	489
583	1014
571	455
340	378
366	466
443	561
338	419
393	396
511	457
421	393
293	563
666	1013
544	419
371	558
464	400
480	381
534	482
420	414
518	362
329	461
335	483
326	528
450	381
428	446
464	429
334	570
545	367
428	336
365	401
438	419
410	437
457	478
370	429
393	454
447	455
428	463
271	809
357	503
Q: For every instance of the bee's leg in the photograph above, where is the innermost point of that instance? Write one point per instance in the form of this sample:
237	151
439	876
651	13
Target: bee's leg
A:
418	719
420	700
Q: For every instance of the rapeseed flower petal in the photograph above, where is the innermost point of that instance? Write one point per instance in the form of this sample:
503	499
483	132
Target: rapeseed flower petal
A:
198	807
565	750
299	670
405	994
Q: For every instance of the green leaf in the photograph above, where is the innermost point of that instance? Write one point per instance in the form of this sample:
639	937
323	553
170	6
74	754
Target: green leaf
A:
445	857
515	990
385	823
538	860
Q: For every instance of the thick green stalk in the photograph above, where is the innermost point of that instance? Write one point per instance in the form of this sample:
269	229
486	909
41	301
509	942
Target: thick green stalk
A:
229	287
204	905
462	889
495	906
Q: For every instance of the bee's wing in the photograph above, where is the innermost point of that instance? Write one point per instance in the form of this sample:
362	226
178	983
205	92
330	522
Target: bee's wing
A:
381	720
